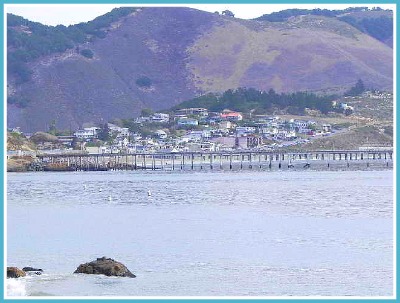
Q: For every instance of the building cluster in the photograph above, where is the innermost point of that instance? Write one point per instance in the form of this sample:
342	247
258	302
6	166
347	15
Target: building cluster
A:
192	130
197	129
377	95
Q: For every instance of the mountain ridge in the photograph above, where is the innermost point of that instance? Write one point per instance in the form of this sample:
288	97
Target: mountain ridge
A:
159	57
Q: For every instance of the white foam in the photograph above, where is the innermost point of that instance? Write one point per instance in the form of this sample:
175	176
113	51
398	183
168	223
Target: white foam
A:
16	287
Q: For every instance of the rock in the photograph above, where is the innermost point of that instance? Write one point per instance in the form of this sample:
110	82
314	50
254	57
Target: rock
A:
14	272
105	266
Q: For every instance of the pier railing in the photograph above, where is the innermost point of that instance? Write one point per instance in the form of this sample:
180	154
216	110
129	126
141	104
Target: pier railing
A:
222	160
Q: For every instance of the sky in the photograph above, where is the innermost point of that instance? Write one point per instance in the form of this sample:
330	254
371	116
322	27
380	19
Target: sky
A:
67	14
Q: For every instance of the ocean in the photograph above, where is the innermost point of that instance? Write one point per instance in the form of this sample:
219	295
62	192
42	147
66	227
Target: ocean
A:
221	233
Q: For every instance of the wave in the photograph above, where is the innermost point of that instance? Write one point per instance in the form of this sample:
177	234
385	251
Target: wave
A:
16	287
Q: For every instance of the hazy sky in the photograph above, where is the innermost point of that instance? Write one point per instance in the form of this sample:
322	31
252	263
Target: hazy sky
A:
53	14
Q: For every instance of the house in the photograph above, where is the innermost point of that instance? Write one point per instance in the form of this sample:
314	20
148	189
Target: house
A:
225	125
122	142
285	134
246	142
197	135
231	116
160	134
268	131
141	120
193	111
121	132
66	140
245	130
188	122
160	118
87	133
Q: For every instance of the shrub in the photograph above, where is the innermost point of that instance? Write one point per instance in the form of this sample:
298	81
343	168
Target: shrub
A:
87	53
144	81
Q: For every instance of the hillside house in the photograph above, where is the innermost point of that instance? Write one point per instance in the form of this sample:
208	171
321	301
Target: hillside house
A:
66	140
245	130
203	112
231	116
87	133
225	125
160	118
121	132
188	122
285	135
160	134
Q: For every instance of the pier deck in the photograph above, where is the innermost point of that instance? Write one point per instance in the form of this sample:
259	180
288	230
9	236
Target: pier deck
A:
231	160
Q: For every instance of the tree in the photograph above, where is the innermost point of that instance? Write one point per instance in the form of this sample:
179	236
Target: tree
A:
228	13
104	133
348	111
357	89
87	53
144	81
52	128
146	112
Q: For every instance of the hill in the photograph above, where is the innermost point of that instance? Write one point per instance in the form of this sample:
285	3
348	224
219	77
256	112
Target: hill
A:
130	59
375	22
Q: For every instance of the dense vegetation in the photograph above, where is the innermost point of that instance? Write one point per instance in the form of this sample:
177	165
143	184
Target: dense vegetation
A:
144	81
27	41
380	28
18	101
87	53
357	89
247	99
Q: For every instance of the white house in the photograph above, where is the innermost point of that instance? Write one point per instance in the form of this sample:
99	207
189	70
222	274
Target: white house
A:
160	118
87	133
245	130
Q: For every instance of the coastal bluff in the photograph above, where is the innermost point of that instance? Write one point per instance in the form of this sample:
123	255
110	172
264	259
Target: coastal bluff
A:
105	266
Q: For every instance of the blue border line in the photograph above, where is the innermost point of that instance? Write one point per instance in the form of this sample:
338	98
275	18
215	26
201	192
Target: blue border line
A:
2	151
2	147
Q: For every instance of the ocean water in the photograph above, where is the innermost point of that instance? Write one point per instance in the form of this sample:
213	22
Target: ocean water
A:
244	233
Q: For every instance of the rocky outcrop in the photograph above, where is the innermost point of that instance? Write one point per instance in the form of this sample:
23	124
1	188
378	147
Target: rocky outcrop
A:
15	272
19	164
105	266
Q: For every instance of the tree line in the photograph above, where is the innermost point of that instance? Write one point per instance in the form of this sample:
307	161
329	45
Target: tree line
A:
251	99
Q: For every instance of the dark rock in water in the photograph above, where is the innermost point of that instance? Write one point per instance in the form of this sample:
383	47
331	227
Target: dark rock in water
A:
105	266
28	268
14	272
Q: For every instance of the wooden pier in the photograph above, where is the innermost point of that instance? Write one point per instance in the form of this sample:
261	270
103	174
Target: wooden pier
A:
232	160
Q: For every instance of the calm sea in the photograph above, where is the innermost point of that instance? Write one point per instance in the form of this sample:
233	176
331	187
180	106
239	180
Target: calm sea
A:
292	233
